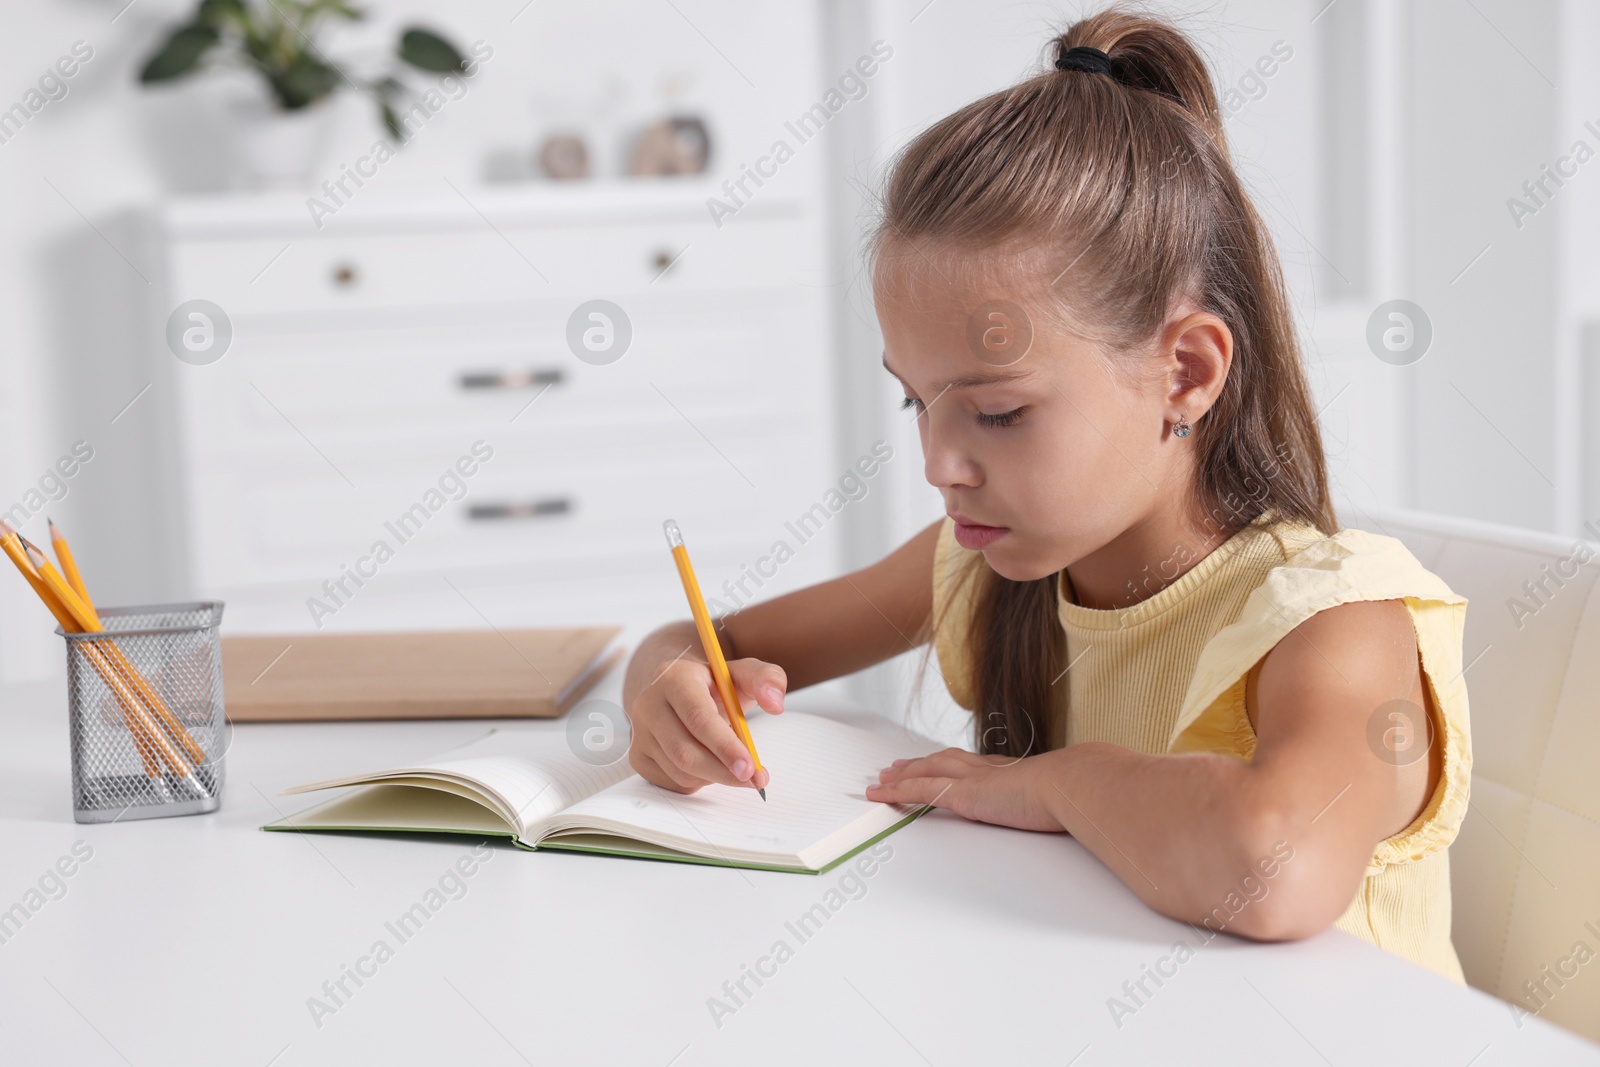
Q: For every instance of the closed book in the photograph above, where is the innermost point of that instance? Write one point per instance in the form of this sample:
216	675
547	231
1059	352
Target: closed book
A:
450	674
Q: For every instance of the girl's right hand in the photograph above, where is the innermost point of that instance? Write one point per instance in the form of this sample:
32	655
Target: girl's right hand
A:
682	738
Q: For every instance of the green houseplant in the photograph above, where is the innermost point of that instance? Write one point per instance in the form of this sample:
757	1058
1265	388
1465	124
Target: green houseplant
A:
277	40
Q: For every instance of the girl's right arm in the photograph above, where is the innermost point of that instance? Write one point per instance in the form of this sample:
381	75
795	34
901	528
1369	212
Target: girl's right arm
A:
682	739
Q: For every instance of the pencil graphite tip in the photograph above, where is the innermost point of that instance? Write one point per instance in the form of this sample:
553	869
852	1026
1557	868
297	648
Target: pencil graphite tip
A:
763	793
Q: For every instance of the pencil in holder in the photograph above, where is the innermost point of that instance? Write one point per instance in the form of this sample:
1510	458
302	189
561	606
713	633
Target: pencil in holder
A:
144	700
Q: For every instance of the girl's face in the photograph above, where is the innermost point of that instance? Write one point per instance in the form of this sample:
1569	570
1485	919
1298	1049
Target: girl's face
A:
1044	452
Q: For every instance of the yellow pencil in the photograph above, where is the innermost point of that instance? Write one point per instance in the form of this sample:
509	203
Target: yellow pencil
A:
89	622
69	566
89	619
139	725
713	647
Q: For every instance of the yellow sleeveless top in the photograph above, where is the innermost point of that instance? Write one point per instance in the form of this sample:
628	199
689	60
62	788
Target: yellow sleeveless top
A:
1168	675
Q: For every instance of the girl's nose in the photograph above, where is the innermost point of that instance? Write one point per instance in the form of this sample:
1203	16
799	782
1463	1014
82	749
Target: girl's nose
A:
944	464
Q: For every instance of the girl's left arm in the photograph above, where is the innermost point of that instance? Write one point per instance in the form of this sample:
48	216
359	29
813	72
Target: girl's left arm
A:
1194	832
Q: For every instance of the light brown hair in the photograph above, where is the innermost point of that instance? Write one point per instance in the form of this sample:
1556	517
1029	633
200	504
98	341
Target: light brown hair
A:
1125	179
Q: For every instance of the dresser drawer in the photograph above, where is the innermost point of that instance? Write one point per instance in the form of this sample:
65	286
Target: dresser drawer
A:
712	358
479	265
300	523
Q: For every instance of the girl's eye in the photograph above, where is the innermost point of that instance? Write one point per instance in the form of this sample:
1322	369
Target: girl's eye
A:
1005	418
909	402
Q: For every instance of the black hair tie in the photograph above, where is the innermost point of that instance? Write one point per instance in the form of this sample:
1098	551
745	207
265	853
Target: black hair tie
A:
1082	57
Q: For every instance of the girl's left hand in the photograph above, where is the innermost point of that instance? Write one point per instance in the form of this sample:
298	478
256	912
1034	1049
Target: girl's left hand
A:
1003	790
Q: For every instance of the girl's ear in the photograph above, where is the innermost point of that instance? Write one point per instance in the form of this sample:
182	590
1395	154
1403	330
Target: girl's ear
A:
1196	355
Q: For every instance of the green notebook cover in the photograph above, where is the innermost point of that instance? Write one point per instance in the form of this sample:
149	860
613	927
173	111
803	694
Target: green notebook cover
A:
485	788
617	846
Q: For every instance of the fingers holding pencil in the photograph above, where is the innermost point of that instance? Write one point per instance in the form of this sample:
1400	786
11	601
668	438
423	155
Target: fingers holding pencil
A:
681	737
765	684
712	647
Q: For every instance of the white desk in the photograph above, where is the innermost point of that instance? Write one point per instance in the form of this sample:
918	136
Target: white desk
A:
199	940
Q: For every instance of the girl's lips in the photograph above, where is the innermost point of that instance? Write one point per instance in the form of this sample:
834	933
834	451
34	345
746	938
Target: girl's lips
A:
978	537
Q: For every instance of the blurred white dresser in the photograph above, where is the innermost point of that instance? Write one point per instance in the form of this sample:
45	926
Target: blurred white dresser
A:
371	356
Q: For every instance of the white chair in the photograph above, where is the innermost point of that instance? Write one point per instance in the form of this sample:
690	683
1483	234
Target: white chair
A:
1525	870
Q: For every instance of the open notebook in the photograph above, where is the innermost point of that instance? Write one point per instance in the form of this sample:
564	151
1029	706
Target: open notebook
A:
529	786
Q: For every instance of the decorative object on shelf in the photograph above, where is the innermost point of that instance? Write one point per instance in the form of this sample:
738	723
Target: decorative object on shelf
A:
279	137
564	156
677	145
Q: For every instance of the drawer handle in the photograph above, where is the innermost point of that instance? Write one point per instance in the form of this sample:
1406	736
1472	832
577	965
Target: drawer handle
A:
526	509
512	379
345	275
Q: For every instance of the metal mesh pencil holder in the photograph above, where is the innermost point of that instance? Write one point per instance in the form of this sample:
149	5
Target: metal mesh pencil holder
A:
144	699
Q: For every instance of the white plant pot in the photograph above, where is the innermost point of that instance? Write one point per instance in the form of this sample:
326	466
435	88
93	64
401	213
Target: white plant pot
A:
279	149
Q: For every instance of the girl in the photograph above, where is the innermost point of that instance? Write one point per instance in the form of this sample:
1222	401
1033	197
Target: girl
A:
1173	653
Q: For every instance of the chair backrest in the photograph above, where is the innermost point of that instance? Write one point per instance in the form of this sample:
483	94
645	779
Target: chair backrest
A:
1525	869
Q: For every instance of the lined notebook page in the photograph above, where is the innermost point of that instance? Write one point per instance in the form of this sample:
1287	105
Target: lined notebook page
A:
535	773
820	770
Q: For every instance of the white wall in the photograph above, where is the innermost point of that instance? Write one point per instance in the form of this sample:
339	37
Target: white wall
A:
1487	398
1575	218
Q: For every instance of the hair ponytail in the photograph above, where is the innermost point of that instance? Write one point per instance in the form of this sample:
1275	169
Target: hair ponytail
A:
1153	56
1129	173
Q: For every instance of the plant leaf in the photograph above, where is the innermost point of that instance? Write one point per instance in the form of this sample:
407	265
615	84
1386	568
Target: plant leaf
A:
341	8
218	13
429	51
304	81
392	121
258	47
180	55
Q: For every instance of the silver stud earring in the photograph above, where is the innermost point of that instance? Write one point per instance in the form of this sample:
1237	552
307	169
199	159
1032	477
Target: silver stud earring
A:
1181	428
